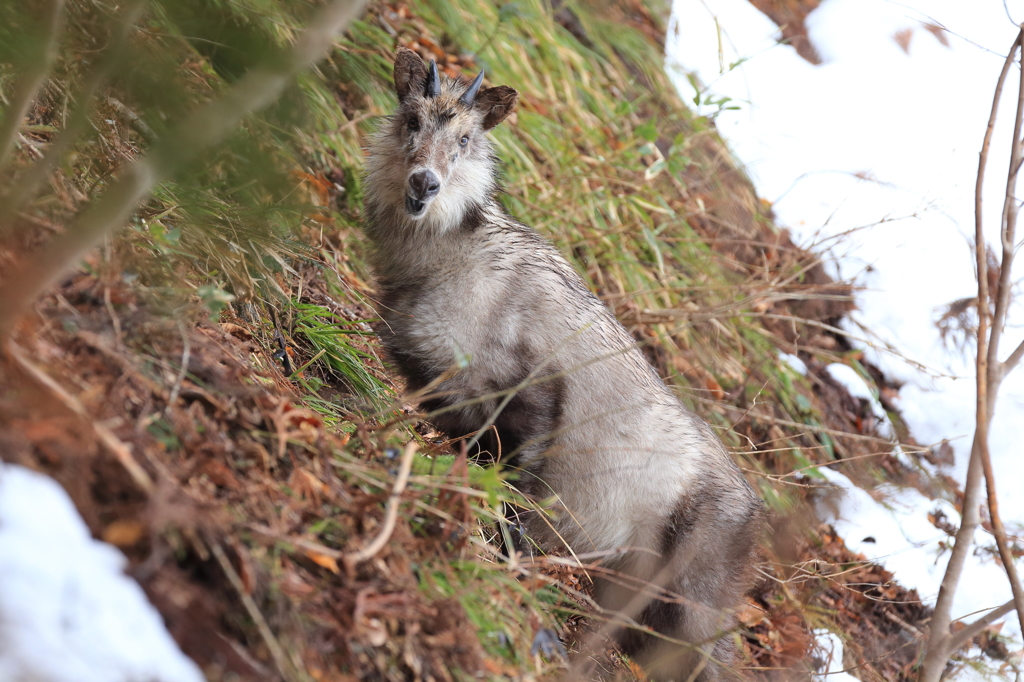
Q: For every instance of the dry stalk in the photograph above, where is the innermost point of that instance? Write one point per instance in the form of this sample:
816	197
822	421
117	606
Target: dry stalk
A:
990	371
206	127
391	514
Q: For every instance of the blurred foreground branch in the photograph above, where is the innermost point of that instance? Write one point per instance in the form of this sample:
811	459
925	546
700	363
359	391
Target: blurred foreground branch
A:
206	127
30	181
37	65
942	643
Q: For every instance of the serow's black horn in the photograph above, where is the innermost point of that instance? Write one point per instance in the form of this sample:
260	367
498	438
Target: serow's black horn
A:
469	96
433	81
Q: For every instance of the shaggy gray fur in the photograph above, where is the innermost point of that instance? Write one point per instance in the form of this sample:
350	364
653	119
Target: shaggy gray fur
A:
594	432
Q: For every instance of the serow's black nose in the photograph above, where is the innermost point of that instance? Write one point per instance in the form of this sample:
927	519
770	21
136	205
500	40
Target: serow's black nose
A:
423	185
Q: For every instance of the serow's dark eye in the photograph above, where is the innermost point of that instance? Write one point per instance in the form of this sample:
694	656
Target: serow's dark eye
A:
464	141
413	124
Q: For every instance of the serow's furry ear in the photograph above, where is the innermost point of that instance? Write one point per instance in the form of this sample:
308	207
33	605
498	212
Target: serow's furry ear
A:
410	73
496	103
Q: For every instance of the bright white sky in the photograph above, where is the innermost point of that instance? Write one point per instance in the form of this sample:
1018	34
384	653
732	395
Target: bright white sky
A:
884	142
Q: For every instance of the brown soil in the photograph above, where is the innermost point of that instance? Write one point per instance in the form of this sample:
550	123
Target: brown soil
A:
238	469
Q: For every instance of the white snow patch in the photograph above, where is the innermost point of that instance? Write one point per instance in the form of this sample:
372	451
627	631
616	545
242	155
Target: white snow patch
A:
794	362
871	157
829	648
898	535
854	383
67	611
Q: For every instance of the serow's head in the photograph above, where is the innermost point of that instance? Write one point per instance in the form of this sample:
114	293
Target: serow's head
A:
438	133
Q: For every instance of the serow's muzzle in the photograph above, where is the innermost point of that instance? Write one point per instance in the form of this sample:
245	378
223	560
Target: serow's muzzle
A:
423	186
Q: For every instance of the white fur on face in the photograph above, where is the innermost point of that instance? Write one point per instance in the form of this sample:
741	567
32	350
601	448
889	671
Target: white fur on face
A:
465	172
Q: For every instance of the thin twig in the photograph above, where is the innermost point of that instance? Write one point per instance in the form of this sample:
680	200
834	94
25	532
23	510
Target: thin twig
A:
969	631
185	357
137	124
114	320
665	315
357	120
30	145
302	543
391	514
254	612
112	443
999	531
206	127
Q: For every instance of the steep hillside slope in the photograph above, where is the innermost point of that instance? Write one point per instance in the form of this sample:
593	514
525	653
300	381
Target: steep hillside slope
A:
208	390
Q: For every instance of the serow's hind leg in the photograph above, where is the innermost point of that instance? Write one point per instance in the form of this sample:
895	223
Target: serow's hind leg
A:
707	555
697	646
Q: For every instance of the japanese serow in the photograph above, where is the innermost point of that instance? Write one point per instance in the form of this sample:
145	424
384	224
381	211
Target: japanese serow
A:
548	381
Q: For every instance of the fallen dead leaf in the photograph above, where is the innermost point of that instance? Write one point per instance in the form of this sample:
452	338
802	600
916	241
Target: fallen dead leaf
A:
324	561
124	533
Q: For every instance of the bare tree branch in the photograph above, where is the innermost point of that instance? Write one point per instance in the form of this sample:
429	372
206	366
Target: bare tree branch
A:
939	647
968	632
1014	359
996	370
1007	232
941	642
28	85
206	127
1000	534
